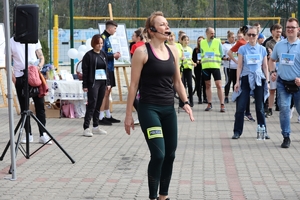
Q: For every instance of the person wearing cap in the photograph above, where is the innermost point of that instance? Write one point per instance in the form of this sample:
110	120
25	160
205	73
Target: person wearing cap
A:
260	38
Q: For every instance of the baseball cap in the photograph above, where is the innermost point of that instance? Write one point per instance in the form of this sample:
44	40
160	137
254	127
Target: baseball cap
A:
260	36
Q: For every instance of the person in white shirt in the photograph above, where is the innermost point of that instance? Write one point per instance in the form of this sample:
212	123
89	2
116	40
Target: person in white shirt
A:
35	56
229	65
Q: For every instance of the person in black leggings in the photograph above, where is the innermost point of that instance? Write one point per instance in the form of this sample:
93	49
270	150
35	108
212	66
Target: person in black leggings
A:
155	72
200	83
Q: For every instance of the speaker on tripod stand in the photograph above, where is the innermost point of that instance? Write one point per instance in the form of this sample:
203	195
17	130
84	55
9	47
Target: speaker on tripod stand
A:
25	32
26	23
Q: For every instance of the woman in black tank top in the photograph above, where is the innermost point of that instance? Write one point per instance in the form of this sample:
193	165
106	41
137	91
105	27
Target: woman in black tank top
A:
154	70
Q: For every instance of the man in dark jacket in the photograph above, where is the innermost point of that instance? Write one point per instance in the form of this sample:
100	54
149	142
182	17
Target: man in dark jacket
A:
105	117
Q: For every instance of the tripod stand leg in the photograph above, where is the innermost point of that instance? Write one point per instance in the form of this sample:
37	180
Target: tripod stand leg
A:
52	138
22	120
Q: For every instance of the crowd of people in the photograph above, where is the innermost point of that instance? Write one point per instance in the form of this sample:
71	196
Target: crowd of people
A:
268	70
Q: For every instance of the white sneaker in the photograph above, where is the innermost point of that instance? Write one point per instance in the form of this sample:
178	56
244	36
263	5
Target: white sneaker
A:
44	139
136	122
23	141
87	133
98	130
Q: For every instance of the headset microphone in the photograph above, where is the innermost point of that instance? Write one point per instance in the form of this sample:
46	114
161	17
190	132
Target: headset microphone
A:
153	29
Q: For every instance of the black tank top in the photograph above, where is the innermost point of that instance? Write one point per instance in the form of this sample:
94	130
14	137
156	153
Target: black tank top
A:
156	81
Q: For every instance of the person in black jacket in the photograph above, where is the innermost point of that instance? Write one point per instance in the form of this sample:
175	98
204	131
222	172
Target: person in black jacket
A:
200	83
95	80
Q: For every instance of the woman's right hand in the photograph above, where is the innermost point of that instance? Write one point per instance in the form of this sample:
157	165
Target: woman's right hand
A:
187	108
128	123
236	87
85	90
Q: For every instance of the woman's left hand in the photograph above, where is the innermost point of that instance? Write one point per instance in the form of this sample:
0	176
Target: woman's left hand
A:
188	110
108	87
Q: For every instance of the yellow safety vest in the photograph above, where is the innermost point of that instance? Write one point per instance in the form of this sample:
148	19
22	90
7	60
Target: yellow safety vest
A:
187	62
213	61
179	48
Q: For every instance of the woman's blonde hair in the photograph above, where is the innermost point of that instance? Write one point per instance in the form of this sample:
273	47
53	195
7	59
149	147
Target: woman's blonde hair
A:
150	22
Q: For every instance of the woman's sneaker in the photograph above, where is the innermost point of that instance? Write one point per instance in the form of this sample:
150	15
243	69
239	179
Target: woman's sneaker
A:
98	130
23	141
44	139
87	133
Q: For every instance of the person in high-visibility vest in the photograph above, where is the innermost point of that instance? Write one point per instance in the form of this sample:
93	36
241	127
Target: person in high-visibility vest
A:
211	53
187	71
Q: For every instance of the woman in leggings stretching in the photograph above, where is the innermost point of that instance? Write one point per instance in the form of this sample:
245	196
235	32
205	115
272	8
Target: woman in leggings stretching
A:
155	71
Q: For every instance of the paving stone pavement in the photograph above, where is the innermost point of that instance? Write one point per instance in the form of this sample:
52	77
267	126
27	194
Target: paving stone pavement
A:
209	164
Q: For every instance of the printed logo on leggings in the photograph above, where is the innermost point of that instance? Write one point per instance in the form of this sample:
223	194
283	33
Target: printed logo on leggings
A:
154	132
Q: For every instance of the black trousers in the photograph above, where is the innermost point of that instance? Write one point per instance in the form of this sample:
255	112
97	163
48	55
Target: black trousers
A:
230	76
95	97
200	83
187	81
38	104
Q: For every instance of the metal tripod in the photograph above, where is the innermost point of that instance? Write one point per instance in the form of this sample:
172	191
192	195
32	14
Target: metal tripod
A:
22	122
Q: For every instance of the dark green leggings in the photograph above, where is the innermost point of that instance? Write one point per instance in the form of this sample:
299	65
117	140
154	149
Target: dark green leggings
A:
159	125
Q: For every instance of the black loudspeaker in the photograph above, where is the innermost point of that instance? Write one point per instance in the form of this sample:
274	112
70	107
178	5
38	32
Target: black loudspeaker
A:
26	23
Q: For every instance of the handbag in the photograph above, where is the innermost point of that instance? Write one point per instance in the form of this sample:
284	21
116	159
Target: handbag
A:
290	86
68	109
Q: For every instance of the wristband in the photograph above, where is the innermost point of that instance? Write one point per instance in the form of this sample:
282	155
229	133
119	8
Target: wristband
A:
187	102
